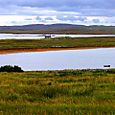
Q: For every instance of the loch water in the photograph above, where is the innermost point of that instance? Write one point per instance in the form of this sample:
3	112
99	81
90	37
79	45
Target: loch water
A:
59	60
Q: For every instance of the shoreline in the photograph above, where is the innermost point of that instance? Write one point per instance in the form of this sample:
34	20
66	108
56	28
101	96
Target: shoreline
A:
20	50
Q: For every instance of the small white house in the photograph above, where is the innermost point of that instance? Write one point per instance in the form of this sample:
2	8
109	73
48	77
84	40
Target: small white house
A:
48	36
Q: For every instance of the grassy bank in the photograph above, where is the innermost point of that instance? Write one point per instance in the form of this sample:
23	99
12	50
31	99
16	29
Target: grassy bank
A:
58	42
69	92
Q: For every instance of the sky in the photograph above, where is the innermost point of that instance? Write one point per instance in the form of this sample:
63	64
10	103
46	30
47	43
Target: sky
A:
80	12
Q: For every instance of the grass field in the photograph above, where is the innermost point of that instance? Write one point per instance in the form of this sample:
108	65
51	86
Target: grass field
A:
67	92
64	42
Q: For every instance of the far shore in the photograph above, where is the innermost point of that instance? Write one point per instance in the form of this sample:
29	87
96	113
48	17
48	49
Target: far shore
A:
20	50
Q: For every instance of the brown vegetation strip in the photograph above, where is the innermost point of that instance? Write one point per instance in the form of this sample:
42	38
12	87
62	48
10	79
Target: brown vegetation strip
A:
7	51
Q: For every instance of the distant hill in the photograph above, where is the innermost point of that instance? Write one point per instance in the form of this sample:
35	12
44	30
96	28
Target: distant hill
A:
58	29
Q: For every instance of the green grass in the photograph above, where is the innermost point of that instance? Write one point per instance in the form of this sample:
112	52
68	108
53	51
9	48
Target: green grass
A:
64	42
69	92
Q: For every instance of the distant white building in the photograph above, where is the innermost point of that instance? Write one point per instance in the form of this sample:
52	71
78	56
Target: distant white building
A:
48	36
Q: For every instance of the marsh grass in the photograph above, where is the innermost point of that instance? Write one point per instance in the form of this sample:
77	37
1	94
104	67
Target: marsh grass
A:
51	43
66	92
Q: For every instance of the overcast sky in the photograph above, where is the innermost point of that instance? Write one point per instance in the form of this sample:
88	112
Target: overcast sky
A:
88	12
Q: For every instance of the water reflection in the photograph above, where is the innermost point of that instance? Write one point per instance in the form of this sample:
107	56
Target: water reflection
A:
58	60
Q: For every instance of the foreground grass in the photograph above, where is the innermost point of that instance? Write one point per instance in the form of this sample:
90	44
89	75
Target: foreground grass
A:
69	92
64	42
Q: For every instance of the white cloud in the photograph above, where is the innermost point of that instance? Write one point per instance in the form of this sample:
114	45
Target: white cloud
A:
16	20
16	12
85	20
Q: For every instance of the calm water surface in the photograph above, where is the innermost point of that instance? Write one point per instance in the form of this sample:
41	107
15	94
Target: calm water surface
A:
41	36
59	60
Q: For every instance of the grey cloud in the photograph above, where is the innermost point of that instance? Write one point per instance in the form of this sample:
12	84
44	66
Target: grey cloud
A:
13	22
48	18
81	18
63	10
44	20
28	19
63	3
71	18
38	18
66	18
96	20
84	7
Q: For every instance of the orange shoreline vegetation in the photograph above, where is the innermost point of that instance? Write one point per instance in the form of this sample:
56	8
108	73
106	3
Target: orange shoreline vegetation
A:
19	50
